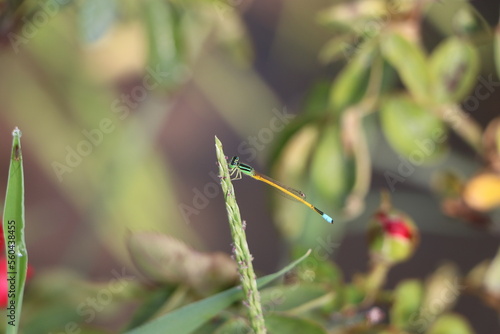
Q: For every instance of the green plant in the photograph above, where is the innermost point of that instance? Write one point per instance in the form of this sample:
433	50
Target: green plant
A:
398	102
13	234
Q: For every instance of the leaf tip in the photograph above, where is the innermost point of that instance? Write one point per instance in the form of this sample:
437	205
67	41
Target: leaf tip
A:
16	132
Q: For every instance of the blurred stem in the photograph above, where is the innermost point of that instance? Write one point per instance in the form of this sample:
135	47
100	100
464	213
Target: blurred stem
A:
376	278
355	141
240	249
373	90
385	201
464	125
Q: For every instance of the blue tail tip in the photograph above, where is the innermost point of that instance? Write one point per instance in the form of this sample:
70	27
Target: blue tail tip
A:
328	218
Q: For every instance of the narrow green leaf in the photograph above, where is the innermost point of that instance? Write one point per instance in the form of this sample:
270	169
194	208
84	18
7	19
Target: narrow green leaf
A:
288	297
350	85
409	59
338	47
190	317
13	227
454	67
164	49
150	306
317	98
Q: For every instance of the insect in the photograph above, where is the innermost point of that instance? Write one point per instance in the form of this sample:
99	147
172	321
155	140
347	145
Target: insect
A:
238	168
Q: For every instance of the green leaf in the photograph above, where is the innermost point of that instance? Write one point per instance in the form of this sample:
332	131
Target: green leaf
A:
281	324
454	67
411	130
325	272
13	228
447	17
407	298
409	59
329	156
188	318
288	297
350	85
451	323
150	306
353	14
469	23
338	47
51	317
316	101
352	295
162	32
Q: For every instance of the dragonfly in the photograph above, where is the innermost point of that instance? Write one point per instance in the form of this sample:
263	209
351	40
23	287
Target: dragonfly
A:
237	169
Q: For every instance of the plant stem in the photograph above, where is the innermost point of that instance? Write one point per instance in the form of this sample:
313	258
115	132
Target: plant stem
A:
240	249
375	280
463	125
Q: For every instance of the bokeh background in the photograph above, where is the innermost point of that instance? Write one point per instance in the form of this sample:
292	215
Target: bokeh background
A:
119	103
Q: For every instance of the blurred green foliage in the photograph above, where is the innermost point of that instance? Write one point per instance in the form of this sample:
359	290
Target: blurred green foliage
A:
92	83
